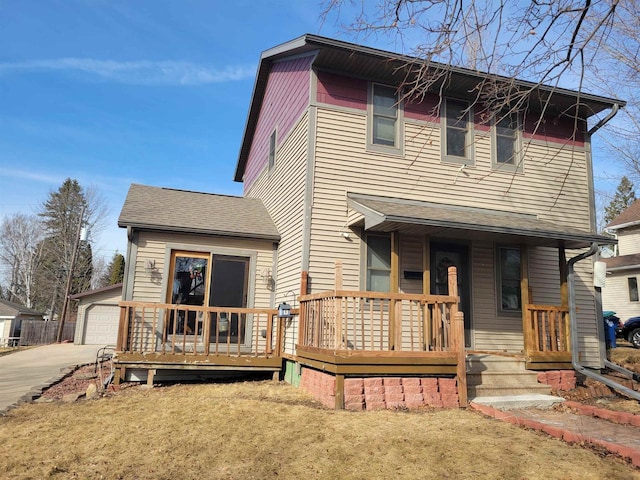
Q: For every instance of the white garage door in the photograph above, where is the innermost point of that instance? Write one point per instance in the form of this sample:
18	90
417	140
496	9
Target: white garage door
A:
102	325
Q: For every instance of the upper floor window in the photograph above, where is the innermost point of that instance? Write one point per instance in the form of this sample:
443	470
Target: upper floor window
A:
378	263
506	149
633	289
508	279
272	150
457	143
385	115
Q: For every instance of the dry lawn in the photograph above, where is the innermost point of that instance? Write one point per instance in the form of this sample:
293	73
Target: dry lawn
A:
264	430
626	355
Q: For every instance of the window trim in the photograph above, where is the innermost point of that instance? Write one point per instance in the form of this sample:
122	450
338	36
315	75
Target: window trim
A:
518	156
398	147
629	289
469	160
498	274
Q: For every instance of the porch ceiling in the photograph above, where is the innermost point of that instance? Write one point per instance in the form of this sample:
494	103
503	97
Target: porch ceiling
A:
384	214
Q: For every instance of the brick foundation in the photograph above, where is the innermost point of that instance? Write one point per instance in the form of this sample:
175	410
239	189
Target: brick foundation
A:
558	379
378	393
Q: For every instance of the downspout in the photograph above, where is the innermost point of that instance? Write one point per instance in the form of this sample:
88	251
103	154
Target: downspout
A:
605	120
575	361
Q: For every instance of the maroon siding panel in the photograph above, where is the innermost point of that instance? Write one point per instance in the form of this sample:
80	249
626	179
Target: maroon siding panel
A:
427	110
557	130
285	98
342	91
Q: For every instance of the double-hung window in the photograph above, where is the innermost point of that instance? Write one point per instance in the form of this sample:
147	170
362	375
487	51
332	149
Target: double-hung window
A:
508	280
633	289
272	150
378	263
385	116
506	145
457	144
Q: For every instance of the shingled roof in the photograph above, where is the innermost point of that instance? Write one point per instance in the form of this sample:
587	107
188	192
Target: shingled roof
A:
167	209
629	217
623	262
11	309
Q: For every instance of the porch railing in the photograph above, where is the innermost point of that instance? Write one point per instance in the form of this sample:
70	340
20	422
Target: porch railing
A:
192	330
377	321
547	330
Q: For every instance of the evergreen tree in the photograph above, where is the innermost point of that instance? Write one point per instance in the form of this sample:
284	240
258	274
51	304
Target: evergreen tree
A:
623	197
115	271
61	216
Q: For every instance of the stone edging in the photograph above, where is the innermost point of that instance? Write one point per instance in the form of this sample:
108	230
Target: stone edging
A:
567	435
623	418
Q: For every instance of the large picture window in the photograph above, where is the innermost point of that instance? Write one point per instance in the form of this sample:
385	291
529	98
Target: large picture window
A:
385	114
508	279
378	263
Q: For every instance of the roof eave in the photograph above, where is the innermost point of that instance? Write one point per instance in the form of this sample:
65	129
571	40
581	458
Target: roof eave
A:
198	231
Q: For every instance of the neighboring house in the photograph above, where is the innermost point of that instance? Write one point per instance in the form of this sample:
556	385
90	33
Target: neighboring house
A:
370	200
98	314
623	271
11	317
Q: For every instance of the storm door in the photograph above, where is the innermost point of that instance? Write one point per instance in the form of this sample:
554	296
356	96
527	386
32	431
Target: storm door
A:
443	256
229	288
189	286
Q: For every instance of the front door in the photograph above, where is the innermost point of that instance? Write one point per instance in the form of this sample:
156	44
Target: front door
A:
443	256
229	288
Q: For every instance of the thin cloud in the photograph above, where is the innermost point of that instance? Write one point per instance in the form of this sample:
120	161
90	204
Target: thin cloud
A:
166	73
27	175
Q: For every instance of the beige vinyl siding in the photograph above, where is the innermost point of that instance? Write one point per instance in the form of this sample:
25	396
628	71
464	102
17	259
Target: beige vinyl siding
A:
629	241
491	331
554	186
615	295
544	276
156	246
589	343
282	190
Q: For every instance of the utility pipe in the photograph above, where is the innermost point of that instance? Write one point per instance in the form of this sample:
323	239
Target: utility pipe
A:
575	361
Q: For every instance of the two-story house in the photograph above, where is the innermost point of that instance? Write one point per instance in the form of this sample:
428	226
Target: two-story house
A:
623	270
357	203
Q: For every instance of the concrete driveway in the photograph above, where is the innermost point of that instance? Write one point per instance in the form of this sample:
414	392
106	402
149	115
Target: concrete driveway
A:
25	373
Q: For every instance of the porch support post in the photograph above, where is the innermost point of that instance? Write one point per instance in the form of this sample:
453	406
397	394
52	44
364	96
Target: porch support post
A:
394	322
527	328
302	319
564	272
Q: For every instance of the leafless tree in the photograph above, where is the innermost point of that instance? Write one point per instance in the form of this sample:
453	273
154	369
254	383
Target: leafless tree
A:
20	255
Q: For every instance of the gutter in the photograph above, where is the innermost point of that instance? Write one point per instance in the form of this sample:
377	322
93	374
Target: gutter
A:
575	361
605	120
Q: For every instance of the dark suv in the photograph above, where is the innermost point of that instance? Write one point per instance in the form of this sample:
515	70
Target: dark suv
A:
630	331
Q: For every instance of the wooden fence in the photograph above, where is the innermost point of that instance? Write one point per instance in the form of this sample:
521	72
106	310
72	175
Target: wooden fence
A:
39	332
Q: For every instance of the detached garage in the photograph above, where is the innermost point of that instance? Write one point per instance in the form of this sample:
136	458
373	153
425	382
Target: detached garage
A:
98	315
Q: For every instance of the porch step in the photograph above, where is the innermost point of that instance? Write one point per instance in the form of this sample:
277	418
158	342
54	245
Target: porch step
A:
512	402
498	376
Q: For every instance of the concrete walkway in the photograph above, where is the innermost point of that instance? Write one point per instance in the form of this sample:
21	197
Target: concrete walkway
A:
26	373
623	439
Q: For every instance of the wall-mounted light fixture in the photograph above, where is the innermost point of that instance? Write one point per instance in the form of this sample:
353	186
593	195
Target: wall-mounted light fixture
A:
149	266
284	310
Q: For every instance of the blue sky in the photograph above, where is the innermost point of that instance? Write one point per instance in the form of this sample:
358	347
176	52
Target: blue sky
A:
118	92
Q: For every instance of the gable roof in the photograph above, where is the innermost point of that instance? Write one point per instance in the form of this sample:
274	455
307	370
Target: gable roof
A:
388	214
389	67
623	262
11	309
108	288
167	209
628	218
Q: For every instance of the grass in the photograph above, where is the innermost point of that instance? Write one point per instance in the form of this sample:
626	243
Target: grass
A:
626	355
264	430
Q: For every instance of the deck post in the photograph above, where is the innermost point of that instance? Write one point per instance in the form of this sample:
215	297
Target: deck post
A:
302	318
456	337
395	320
527	325
337	307
339	392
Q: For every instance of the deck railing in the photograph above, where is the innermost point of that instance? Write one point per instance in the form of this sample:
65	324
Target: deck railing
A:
376	321
547	330
192	330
